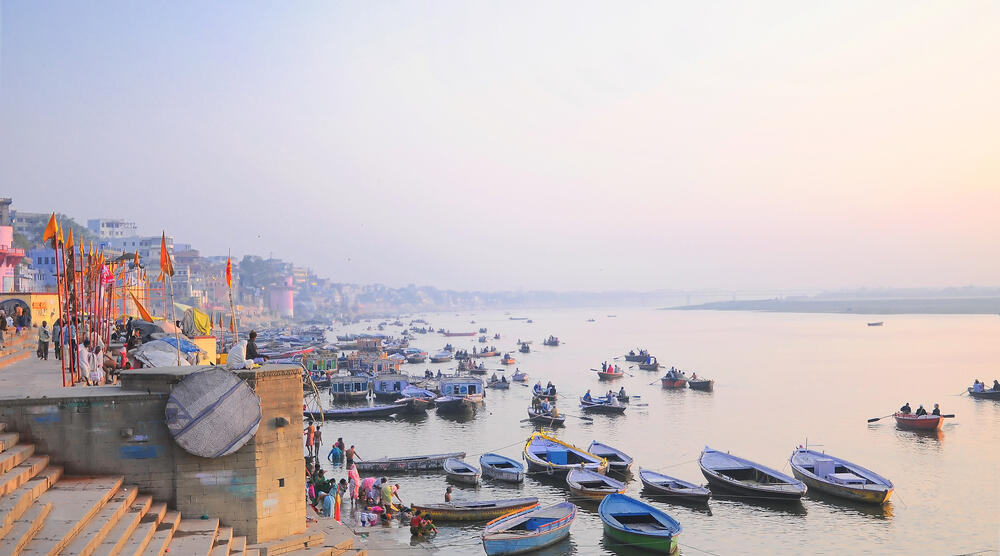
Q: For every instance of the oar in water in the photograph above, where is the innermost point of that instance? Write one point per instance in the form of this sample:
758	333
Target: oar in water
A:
948	416
873	419
582	418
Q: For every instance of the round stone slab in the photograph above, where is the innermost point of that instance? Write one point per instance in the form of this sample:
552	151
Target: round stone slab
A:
212	413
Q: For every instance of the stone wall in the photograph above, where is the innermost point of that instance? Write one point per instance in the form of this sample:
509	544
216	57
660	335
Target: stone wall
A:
259	490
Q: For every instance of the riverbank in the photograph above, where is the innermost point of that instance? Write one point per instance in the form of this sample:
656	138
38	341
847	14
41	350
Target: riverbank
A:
938	306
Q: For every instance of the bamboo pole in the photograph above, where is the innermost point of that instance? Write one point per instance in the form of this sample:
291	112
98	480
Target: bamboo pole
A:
173	319
59	315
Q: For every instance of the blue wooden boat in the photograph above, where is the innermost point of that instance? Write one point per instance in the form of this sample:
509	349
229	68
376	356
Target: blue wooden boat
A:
747	478
840	477
354	412
590	484
460	395
519	376
547	454
461	472
528	530
390	387
638	524
502	468
617	460
667	486
603	406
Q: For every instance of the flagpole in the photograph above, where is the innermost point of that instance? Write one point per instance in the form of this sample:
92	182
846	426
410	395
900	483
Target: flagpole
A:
232	307
59	294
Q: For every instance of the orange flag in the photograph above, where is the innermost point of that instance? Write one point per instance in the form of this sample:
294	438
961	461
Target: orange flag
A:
51	230
232	325
221	327
136	261
229	272
142	310
69	241
166	266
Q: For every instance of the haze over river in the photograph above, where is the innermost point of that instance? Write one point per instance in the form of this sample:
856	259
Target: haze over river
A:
781	379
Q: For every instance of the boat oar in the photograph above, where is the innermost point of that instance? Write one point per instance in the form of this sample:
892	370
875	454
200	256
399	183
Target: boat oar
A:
578	417
948	416
872	420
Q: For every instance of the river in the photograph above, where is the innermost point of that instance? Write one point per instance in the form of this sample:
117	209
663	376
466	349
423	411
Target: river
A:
781	380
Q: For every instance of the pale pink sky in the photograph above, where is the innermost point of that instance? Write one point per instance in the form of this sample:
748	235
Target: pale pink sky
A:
557	145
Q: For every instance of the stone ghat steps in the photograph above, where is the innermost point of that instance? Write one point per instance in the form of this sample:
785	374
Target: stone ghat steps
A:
20	347
43	512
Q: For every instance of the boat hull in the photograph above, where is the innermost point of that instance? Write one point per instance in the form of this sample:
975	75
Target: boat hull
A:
512	474
636	358
715	483
666	545
539	465
866	496
649	366
922	423
358	413
418	463
469	512
504	543
510	361
703	385
609	376
985	394
605	408
610	486
465	405
673	382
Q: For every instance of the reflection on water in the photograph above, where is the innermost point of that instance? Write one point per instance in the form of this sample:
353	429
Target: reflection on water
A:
780	379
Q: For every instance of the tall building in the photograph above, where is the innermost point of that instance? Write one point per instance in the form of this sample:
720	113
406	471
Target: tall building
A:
107	228
43	266
10	257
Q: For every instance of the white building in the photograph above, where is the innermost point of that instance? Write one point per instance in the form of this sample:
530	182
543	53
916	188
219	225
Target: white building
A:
111	228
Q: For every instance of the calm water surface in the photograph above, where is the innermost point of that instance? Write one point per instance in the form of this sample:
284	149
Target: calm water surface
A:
781	380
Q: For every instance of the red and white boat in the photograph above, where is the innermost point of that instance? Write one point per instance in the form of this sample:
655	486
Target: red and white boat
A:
922	423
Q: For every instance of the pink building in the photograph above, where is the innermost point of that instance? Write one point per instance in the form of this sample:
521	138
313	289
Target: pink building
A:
9	258
282	299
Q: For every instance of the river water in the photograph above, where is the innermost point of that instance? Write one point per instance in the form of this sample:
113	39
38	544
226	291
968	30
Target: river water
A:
781	380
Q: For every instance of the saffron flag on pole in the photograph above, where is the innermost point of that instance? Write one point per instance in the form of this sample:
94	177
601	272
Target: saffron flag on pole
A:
69	241
232	325
229	272
51	230
142	310
166	266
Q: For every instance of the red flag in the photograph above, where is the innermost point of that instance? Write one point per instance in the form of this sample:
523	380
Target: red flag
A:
229	272
232	325
166	266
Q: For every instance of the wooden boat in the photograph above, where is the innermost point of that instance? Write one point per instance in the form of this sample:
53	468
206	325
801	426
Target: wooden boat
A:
525	348
673	379
540	418
654	366
984	395
548	454
499	385
411	463
839	477
442	357
747	478
590	484
474	511
922	423
528	530
389	387
633	357
354	412
638	524
414	405
502	468
519	376
703	384
349	387
416	358
605	407
460	395
879	323
617	460
461	472
551	341
454	334
507	360
609	376
665	485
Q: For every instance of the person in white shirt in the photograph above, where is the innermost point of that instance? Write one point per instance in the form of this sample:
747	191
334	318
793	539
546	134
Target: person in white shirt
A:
236	359
83	360
96	367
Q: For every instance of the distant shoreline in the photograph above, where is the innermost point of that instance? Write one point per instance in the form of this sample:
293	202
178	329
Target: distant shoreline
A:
934	306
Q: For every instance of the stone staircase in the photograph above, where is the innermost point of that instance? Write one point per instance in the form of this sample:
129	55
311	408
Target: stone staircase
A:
43	512
18	347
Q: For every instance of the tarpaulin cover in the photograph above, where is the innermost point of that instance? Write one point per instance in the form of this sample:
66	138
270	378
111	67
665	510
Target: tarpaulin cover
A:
158	353
187	346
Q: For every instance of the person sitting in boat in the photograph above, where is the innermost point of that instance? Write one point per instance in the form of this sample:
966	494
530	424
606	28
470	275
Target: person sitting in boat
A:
439	373
978	386
586	397
937	410
503	379
537	389
996	385
694	376
906	408
631	352
921	411
551	390
546	407
610	396
494	378
621	392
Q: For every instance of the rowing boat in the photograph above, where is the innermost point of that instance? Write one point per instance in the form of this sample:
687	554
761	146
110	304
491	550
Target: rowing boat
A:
920	423
839	477
354	412
603	375
502	468
461	472
548	454
474	511
546	418
638	524
665	485
589	484
705	385
602	407
528	530
414	404
617	460
411	463
992	394
747	478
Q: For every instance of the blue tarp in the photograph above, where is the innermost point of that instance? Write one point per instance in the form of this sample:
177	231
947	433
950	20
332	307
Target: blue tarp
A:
187	346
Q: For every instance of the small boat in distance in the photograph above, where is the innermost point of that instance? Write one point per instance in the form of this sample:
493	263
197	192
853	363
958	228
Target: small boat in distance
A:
551	341
410	463
475	511
454	334
633	357
525	348
507	359
355	412
665	485
519	376
547	419
461	472
590	484
617	460
442	357
528	530
502	468
595	406
674	379
747	478
547	454
879	323
636	523
460	395
703	384
839	477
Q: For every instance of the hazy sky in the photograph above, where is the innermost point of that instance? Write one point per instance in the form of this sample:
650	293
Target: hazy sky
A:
556	145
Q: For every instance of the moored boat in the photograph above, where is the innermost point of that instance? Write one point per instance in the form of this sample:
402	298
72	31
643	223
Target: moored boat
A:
638	524
703	384
414	404
460	395
590	484
542	418
839	477
747	478
501	468
919	423
528	530
410	463
442	357
349	387
617	460
460	471
665	485
548	454
474	511
389	387
456	334
354	412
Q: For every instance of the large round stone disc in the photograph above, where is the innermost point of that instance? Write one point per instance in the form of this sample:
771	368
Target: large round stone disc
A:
212	413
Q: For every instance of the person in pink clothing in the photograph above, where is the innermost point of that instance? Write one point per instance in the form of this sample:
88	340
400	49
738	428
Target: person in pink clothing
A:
355	479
